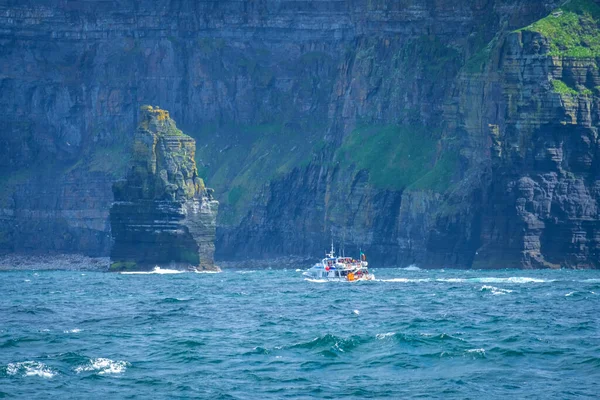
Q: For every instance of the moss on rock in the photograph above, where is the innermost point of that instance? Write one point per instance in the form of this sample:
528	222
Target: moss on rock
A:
572	30
396	157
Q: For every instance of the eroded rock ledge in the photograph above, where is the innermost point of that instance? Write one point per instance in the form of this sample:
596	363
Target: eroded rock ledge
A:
163	215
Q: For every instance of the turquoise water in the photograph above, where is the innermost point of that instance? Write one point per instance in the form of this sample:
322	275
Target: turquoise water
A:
272	334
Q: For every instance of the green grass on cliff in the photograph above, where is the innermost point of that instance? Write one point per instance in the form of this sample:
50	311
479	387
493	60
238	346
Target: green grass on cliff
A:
562	88
397	157
572	30
476	64
238	160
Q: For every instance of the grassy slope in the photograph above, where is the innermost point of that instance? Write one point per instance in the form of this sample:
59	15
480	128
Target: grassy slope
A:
238	160
398	157
572	30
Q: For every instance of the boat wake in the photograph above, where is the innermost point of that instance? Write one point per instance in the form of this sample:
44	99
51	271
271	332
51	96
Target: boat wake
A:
514	279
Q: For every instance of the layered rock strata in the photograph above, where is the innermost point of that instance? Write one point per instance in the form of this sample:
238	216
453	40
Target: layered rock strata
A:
397	126
163	215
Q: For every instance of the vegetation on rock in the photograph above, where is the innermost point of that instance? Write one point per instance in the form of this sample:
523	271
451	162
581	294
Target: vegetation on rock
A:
248	157
562	88
572	30
397	157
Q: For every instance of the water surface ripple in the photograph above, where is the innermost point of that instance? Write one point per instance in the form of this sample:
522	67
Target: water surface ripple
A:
272	334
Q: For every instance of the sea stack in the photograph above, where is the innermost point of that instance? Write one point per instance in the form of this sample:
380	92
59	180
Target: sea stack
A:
163	215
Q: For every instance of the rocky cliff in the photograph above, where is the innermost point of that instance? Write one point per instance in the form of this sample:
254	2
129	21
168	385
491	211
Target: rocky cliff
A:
442	133
163	215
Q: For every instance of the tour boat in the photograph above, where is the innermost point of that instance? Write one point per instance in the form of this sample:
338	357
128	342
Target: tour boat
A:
334	268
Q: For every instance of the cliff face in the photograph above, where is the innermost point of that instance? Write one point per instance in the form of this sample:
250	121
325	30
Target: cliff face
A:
545	168
163	215
505	173
389	125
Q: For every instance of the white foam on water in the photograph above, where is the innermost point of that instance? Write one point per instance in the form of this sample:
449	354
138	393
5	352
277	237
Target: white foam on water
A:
477	351
382	336
156	270
316	280
356	312
103	366
298	270
246	272
30	368
27	280
512	279
569	294
411	267
76	330
495	290
591	280
207	272
403	280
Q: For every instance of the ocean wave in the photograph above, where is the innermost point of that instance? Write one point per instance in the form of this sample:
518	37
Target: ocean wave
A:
578	295
513	279
381	336
411	267
168	300
207	272
476	352
316	280
327	345
156	270
330	342
440	337
30	368
495	290
103	366
76	330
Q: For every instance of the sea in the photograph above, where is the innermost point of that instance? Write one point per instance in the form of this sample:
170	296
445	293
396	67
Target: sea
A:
273	334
